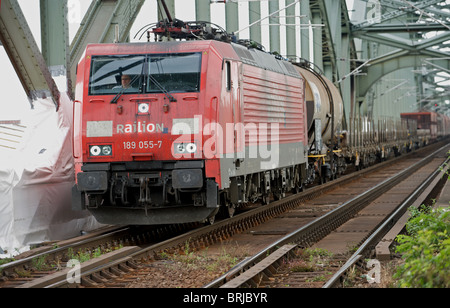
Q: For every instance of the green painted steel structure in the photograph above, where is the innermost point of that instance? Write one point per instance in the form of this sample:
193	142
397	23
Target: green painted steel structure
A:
389	56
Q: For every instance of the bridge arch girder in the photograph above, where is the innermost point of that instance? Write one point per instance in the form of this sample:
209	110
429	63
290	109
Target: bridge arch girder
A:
379	67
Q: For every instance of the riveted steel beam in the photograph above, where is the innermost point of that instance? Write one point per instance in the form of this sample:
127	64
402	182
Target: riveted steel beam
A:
304	33
170	5
54	32
405	43
291	38
255	15
402	9
55	38
203	10
399	28
393	61
409	54
232	17
404	32
106	21
24	53
274	30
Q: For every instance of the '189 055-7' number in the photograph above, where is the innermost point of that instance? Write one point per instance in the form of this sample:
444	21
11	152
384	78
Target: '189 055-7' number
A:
128	145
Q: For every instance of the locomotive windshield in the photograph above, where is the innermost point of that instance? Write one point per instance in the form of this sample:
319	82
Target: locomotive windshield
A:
174	72
107	73
155	73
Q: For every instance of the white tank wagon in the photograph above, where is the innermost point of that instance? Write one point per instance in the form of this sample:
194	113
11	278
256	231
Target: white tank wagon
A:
325	113
324	107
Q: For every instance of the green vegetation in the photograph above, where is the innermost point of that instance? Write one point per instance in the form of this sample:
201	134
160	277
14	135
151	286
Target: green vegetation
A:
87	255
6	260
310	260
188	258
425	250
84	256
40	263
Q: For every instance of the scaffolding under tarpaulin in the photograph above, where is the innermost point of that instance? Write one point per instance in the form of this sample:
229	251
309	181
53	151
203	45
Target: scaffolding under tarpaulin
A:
36	178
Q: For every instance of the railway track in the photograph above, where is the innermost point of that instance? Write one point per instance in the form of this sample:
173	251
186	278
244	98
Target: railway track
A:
134	263
47	260
370	214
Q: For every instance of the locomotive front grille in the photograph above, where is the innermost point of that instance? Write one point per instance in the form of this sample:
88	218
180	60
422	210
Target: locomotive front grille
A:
146	184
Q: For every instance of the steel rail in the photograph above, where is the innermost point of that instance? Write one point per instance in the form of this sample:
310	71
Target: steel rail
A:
375	237
51	252
206	235
317	229
203	234
233	225
118	258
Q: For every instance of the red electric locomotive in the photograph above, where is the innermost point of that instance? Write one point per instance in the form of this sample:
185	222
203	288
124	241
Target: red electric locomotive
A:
168	132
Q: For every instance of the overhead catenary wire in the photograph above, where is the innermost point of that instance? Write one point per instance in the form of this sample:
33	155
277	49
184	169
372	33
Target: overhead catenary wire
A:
268	16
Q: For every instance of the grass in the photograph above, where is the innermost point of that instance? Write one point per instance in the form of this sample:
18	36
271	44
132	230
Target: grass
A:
310	260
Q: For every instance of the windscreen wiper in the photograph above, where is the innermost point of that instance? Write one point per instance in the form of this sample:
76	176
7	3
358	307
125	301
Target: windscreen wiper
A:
118	95
166	93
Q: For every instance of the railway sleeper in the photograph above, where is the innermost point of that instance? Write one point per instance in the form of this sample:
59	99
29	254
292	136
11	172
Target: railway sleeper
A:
96	277
108	274
88	282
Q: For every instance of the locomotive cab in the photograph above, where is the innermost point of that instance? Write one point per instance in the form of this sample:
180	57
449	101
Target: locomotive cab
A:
138	137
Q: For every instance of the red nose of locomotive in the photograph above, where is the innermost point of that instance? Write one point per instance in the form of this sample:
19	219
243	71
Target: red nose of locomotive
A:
137	132
134	101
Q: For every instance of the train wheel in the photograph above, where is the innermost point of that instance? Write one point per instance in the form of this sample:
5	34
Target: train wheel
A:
297	189
334	170
112	194
231	209
212	218
124	193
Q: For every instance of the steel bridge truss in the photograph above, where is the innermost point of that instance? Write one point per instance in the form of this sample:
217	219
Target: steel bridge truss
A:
425	47
419	34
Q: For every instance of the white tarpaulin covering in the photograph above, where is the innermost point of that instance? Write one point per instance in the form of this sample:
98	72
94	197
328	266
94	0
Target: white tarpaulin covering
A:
36	179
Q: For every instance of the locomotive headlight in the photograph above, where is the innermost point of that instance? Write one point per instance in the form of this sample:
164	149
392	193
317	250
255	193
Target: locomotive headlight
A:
95	150
182	148
143	108
191	148
100	150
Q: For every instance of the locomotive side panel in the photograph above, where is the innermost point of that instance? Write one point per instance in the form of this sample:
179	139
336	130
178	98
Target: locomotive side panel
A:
274	98
270	123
